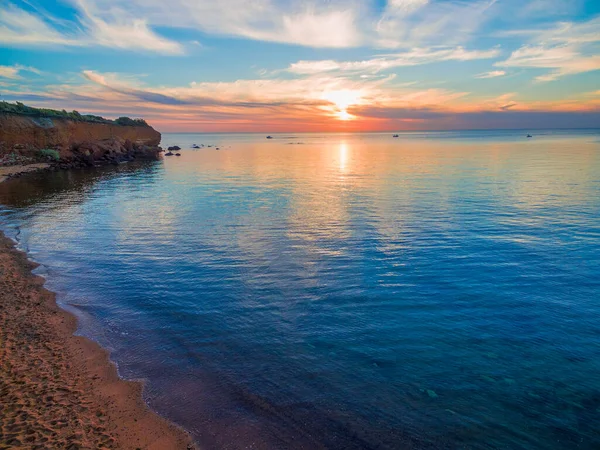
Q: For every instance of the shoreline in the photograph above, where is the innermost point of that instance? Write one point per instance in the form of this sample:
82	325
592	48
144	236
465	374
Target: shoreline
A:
60	390
8	172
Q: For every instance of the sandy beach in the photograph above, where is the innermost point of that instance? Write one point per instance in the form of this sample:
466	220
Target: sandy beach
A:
58	390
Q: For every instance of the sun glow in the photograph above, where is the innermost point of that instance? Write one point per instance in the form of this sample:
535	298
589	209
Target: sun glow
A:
342	100
344	115
343	156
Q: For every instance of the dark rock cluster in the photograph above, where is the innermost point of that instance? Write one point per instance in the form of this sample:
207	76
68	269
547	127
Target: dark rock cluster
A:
86	154
109	151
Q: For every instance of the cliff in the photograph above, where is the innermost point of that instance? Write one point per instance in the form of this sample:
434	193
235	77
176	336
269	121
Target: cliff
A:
42	132
69	143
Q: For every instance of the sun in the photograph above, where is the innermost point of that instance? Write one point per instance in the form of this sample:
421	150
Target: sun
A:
343	99
345	115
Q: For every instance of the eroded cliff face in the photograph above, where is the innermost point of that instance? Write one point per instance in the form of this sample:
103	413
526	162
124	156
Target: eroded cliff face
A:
67	144
61	134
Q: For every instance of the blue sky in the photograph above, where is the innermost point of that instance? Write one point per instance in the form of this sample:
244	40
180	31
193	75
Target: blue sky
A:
233	65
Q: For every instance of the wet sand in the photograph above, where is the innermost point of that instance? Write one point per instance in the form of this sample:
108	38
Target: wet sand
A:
10	171
58	390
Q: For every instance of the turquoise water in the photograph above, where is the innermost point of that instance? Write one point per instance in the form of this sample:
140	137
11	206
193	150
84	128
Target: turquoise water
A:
439	290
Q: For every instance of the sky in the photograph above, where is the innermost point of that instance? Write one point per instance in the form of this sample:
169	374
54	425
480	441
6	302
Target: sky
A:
308	65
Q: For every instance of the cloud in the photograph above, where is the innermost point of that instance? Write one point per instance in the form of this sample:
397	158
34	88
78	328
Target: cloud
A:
140	94
419	98
328	29
358	85
564	60
310	100
553	8
19	27
492	74
566	49
413	57
407	23
315	102
311	23
13	72
395	24
116	30
312	67
573	33
238	96
333	24
9	72
119	30
427	119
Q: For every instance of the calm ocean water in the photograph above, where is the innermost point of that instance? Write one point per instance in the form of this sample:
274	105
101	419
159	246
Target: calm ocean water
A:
439	290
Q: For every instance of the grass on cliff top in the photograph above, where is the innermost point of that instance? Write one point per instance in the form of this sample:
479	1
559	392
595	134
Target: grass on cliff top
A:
24	110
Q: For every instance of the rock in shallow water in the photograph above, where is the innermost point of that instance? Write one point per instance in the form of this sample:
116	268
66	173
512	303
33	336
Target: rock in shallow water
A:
431	393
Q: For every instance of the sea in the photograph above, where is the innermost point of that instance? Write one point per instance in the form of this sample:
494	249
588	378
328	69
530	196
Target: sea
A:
438	290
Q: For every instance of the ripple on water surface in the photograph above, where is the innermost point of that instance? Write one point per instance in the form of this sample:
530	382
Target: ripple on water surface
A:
431	291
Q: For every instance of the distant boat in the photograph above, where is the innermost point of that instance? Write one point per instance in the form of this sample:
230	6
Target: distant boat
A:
269	137
396	135
529	136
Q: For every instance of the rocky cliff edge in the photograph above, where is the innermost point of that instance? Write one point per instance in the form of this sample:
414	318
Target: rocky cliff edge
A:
68	143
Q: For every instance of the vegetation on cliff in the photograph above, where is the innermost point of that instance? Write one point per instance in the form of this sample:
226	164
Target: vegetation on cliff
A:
50	153
24	110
